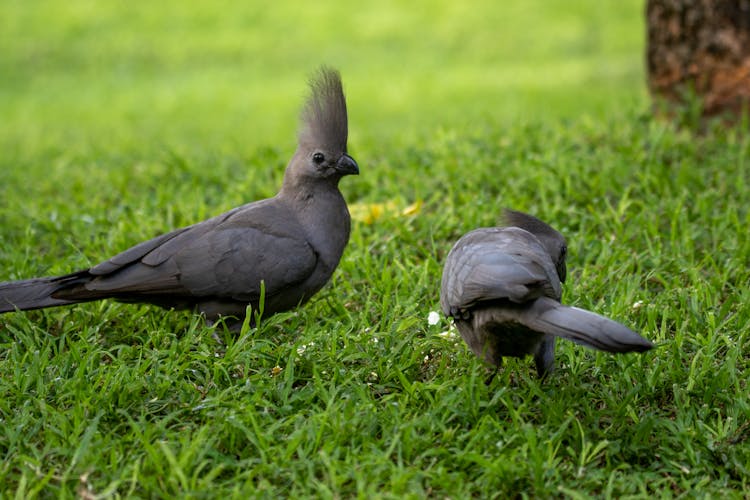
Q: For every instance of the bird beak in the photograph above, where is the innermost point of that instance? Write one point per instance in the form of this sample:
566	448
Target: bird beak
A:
347	166
562	271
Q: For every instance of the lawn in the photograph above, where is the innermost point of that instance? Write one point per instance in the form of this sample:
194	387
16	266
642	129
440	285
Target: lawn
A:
121	121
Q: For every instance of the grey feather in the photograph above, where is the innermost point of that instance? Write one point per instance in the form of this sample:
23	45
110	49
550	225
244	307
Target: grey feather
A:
324	117
289	244
583	327
502	286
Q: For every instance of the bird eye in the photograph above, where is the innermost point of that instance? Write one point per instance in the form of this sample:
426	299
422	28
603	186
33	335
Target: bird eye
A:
318	158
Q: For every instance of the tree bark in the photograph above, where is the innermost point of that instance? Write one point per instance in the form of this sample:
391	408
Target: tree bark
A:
700	47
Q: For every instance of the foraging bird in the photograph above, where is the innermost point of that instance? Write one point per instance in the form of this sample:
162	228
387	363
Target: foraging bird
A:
502	286
286	247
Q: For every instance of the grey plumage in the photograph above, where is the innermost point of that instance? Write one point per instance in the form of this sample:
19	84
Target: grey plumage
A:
291	243
502	286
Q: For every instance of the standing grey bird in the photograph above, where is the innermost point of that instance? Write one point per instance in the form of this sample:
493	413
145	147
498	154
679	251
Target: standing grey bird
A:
289	245
502	286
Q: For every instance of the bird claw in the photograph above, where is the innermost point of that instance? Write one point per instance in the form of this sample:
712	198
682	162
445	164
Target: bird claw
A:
218	340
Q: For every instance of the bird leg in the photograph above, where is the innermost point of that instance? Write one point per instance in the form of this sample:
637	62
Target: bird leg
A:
492	376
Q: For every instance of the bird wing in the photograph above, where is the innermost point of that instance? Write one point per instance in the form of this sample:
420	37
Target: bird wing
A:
224	257
497	263
233	261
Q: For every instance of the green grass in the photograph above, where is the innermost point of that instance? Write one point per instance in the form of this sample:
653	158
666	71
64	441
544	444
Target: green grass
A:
123	121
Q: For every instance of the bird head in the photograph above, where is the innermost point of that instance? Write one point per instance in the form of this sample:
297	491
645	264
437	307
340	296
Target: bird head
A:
321	151
552	241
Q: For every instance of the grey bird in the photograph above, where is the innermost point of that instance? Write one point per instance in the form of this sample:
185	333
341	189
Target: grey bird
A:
285	247
502	287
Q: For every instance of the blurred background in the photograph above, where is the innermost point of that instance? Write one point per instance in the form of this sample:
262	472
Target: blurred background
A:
88	76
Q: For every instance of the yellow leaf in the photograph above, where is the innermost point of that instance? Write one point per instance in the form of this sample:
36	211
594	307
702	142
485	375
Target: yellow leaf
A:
369	213
413	209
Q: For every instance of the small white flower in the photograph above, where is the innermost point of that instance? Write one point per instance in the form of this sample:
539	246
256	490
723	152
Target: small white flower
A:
301	350
448	334
637	305
433	318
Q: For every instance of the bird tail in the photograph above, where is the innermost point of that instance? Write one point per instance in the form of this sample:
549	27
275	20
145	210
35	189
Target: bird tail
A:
37	293
583	327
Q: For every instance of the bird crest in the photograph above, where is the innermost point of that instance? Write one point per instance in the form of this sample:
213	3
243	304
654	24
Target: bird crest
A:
324	121
530	224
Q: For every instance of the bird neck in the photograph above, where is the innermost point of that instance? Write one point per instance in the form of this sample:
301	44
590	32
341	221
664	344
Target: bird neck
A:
322	212
303	187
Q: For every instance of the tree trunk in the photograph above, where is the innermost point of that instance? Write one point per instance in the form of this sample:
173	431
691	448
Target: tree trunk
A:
700	48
